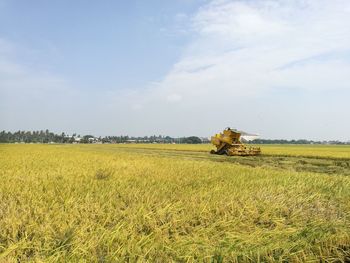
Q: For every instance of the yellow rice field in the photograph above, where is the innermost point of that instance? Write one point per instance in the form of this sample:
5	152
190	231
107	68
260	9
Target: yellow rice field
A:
333	151
172	203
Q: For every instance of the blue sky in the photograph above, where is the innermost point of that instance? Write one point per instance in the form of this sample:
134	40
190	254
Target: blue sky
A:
182	67
97	44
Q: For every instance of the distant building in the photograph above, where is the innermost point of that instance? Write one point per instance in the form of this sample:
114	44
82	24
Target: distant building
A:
205	140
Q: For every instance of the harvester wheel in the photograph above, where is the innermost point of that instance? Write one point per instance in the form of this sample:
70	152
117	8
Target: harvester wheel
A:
222	151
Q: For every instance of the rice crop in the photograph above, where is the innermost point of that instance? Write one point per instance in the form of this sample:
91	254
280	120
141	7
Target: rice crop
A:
124	203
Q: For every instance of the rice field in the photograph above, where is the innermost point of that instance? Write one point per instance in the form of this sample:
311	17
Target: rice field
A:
332	151
173	203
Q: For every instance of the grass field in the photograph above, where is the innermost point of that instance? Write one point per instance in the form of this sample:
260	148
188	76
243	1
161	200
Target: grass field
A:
164	203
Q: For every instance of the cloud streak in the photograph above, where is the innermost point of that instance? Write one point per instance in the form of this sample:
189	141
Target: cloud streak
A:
277	68
30	98
246	57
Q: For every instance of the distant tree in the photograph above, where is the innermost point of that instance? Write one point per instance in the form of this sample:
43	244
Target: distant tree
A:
192	140
86	138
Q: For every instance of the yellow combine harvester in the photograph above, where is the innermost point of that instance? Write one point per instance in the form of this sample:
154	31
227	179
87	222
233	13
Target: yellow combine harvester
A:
228	142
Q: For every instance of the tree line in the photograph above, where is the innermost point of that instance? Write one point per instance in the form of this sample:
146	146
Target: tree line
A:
33	137
302	141
50	137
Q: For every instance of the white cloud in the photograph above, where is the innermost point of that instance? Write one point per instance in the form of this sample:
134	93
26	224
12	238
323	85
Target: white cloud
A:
242	53
279	68
174	98
17	77
30	98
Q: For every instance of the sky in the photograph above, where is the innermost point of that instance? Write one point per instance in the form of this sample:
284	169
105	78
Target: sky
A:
280	69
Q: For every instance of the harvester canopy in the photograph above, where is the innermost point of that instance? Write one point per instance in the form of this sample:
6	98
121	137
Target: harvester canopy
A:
228	142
